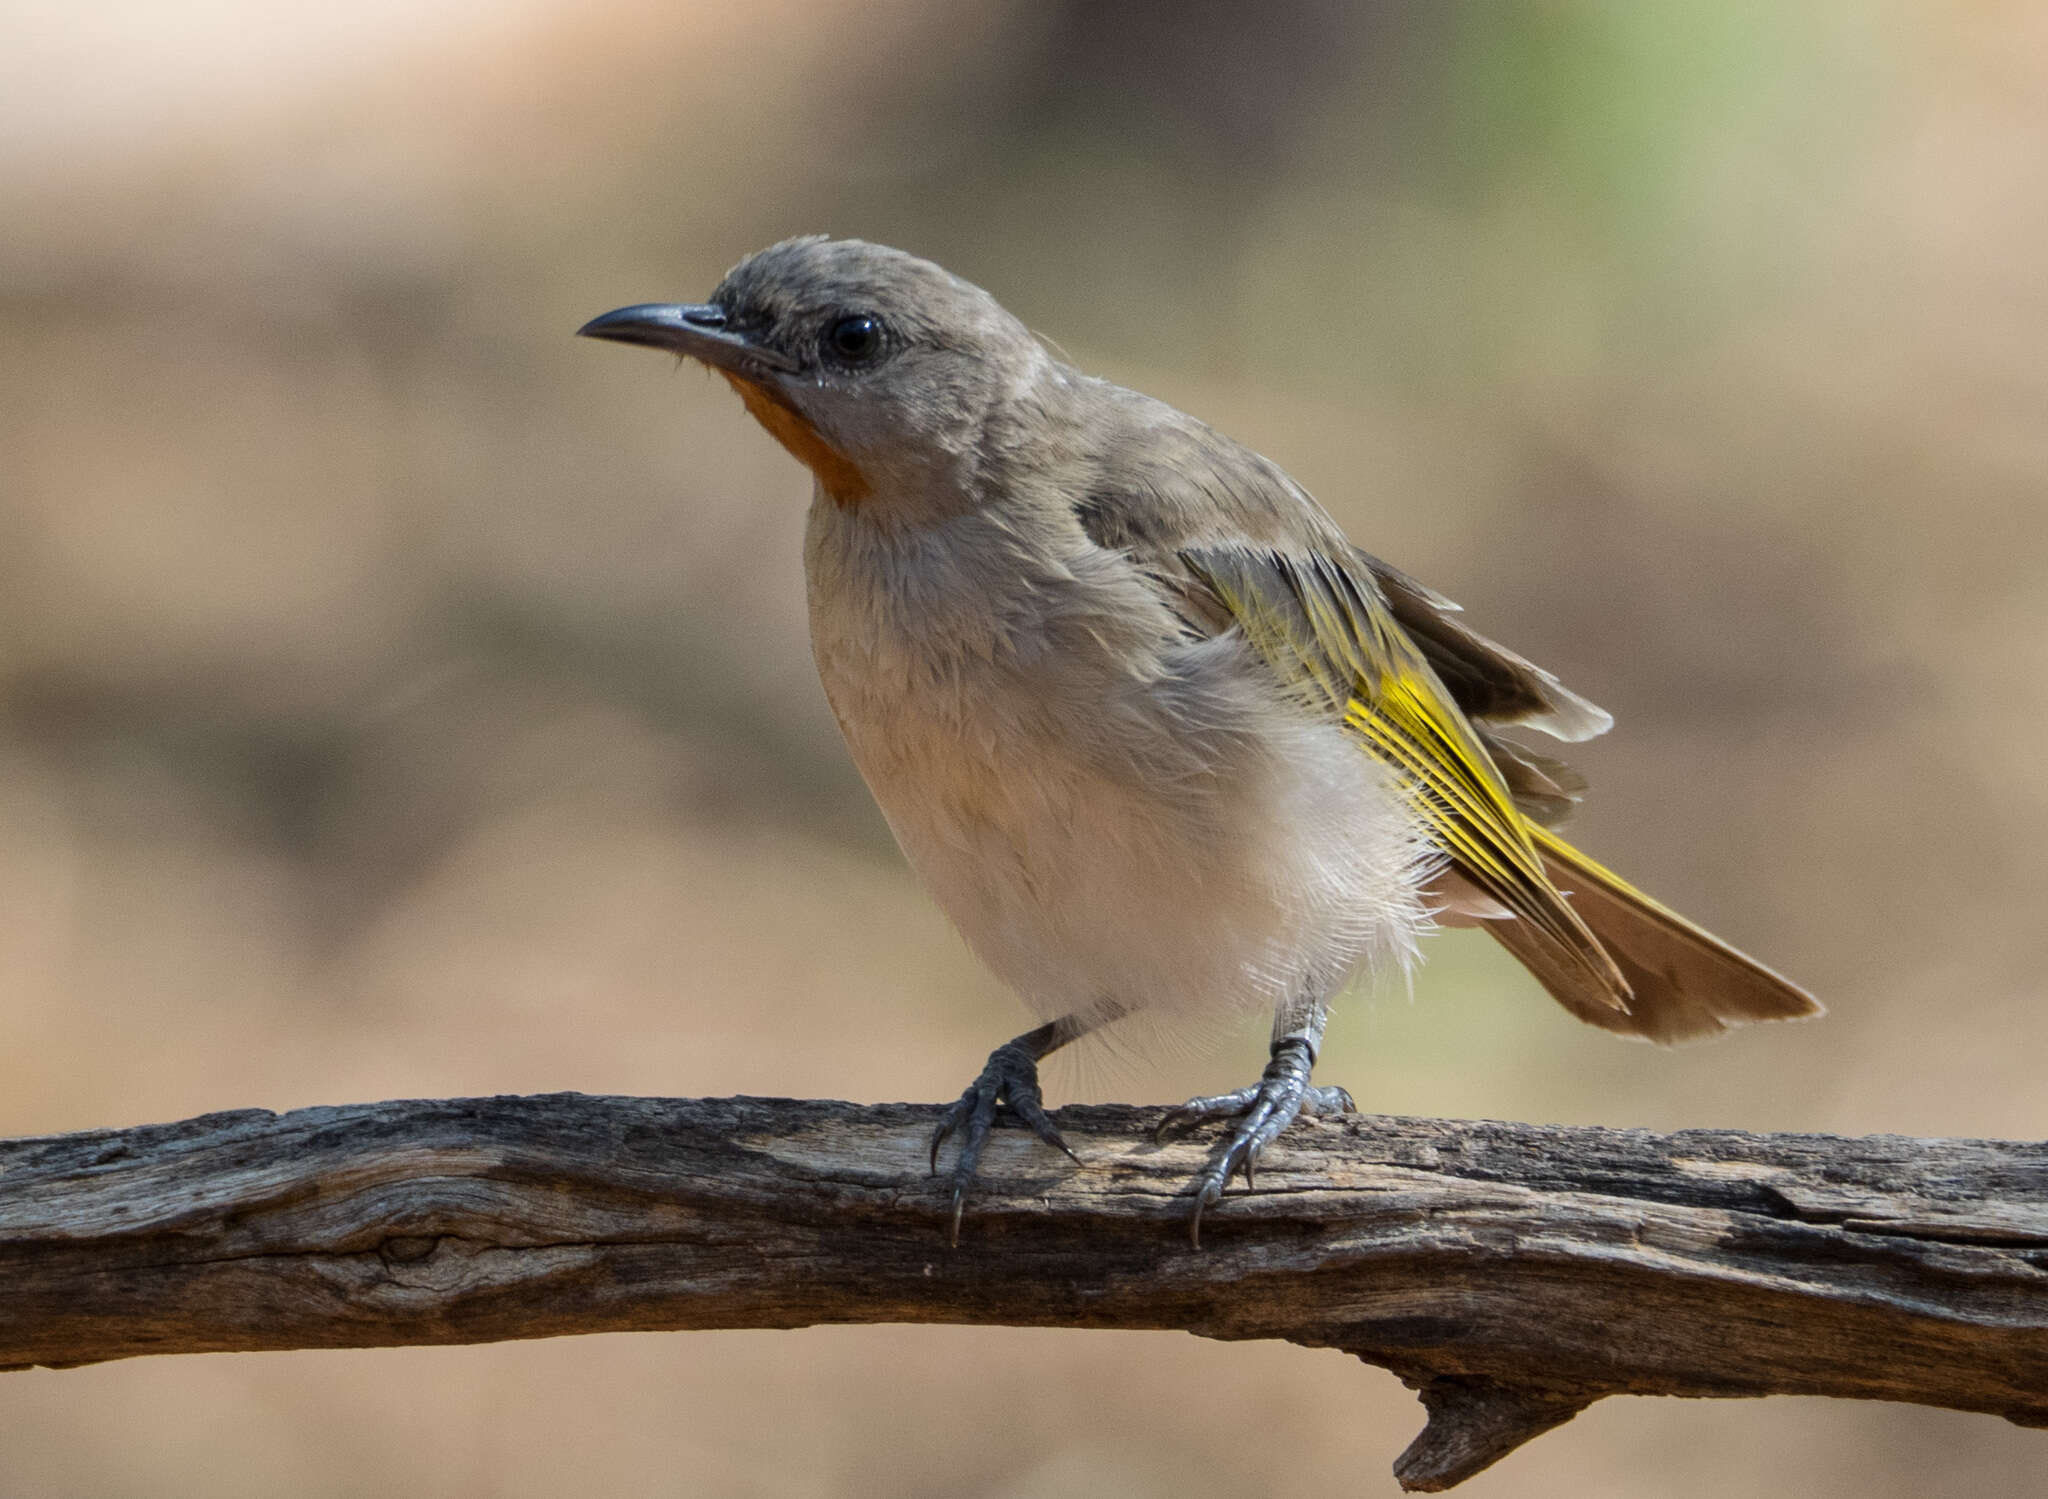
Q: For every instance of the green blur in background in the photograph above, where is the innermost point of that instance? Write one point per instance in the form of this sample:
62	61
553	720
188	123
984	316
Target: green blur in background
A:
401	697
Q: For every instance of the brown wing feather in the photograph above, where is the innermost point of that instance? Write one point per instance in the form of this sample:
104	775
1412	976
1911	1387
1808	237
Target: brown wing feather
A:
1489	682
1546	791
1684	982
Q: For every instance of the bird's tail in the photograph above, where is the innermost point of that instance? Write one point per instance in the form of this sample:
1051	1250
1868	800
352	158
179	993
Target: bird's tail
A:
1685	982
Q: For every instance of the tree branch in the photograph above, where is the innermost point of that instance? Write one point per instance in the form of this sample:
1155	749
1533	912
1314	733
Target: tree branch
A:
1511	1273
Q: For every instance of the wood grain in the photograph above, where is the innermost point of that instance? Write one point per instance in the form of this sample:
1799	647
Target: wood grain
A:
1511	1273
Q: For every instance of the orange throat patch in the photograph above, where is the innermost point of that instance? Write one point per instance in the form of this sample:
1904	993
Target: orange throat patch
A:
836	474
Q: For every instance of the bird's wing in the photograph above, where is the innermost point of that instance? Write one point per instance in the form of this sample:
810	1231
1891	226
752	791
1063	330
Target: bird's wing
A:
1496	689
1167	482
1326	629
1492	684
1236	544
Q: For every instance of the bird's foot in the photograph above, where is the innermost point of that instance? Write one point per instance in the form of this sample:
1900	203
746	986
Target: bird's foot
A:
1261	1111
1009	1081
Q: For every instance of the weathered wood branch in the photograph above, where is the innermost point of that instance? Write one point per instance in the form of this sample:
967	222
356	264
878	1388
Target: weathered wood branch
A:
1511	1273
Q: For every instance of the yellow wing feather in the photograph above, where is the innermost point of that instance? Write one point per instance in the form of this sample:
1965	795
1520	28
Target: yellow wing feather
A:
1327	631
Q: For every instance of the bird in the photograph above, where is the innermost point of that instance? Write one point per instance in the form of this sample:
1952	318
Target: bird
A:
1154	735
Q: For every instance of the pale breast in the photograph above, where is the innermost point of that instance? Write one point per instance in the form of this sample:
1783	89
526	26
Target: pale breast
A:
1109	813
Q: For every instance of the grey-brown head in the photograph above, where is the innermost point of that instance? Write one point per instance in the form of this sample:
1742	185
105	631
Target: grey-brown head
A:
878	370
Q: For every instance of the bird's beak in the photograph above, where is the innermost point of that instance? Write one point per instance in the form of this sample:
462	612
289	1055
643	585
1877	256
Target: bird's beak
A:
698	330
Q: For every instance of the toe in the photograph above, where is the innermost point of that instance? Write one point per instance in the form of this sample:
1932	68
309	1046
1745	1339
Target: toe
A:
1021	1094
1042	1126
1330	1100
1266	1131
1195	1110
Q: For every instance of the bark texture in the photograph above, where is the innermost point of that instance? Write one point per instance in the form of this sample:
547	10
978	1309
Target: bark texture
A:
1511	1273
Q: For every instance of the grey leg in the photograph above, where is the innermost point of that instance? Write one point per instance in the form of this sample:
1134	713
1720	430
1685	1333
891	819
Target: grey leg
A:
1263	1110
1009	1080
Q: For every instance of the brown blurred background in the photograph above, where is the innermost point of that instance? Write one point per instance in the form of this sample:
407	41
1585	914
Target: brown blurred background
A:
401	697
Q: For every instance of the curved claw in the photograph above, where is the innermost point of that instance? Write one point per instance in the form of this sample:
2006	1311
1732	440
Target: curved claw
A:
959	1207
1202	1200
948	1122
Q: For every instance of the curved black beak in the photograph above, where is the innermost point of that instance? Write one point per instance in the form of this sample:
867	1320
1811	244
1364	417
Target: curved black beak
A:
696	329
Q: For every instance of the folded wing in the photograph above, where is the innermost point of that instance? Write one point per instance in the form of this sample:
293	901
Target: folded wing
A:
1237	544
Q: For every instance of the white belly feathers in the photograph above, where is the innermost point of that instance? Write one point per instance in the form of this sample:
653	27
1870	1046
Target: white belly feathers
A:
1113	815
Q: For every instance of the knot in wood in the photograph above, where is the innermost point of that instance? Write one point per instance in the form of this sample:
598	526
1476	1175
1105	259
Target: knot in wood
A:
408	1249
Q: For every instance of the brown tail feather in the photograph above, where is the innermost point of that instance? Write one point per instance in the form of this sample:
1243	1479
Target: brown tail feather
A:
1686	982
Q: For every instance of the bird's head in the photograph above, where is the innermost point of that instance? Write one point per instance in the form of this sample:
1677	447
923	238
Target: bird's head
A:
878	370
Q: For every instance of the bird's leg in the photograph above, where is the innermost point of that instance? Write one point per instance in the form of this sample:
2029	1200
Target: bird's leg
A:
1264	1109
1010	1080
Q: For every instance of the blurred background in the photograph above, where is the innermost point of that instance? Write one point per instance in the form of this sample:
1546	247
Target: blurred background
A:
399	696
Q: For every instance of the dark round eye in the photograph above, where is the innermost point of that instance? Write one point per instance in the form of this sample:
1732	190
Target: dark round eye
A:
855	339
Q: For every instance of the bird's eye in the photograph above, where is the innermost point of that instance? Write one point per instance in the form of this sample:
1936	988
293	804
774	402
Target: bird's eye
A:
856	339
